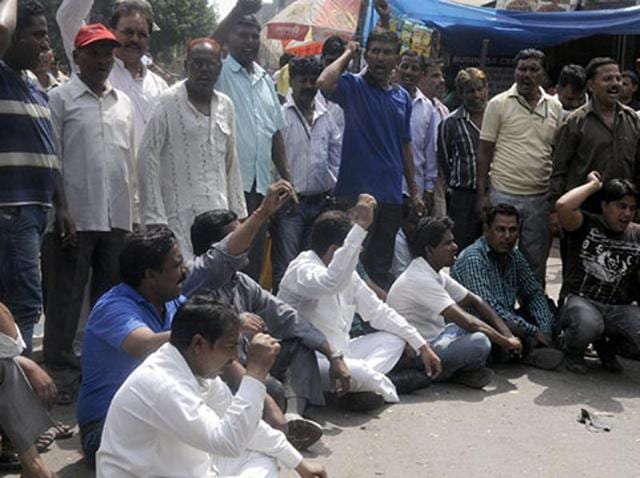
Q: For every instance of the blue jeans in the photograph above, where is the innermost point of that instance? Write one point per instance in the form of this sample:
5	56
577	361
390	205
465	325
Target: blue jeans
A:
90	438
21	231
460	350
291	233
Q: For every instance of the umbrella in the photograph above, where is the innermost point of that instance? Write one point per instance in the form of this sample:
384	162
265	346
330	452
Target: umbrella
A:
318	19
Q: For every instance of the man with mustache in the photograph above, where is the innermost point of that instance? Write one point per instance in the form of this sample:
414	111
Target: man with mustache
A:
187	161
94	126
458	140
600	285
376	149
132	24
514	157
495	269
313	142
259	120
602	136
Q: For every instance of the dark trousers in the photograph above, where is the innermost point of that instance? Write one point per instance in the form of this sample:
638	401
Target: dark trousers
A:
381	240
586	321
66	272
256	253
467	227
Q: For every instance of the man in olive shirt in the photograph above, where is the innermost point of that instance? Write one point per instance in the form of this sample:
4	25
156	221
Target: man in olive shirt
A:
601	136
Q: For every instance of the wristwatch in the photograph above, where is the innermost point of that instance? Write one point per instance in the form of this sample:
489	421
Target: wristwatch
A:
336	354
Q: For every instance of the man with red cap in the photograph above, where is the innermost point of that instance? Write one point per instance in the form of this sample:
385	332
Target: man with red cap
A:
93	123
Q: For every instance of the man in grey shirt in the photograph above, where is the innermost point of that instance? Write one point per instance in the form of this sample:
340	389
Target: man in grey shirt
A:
263	312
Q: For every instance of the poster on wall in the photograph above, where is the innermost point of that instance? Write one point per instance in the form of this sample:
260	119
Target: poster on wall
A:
416	36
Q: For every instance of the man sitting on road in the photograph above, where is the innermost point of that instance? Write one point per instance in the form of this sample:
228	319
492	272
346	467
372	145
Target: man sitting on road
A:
495	269
323	286
25	390
603	259
436	305
296	365
174	417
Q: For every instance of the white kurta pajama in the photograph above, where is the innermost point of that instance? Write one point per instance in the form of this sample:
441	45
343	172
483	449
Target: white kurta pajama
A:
166	422
328	297
188	163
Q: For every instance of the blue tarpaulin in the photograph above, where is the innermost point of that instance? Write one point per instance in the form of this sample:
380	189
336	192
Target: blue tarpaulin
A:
464	27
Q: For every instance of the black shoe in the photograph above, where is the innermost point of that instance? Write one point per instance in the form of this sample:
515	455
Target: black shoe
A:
360	401
575	363
478	378
409	380
544	358
607	353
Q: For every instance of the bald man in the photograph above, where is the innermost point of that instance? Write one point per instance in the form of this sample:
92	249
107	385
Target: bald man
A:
187	162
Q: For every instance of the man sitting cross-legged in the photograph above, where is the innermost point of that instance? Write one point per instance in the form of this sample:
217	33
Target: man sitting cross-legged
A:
324	287
603	260
495	269
435	304
25	390
174	417
296	364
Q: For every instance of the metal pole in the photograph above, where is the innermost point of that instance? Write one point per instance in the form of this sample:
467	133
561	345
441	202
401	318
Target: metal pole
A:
484	53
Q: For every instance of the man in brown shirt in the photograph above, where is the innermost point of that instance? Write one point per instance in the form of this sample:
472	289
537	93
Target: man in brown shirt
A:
602	136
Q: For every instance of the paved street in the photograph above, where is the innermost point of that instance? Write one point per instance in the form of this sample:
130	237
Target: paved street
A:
523	426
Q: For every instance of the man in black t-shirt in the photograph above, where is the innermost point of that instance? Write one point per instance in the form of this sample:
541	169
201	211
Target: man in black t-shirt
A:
603	258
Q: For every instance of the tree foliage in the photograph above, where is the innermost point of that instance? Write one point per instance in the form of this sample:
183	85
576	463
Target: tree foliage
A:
179	21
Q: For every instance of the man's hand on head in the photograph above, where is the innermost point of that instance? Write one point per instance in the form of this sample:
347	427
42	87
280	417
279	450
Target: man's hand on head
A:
364	210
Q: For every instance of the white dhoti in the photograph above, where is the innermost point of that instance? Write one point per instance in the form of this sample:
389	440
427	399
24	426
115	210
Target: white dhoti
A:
370	358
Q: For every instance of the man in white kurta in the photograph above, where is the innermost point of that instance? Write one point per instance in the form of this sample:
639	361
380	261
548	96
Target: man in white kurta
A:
187	161
326	290
174	417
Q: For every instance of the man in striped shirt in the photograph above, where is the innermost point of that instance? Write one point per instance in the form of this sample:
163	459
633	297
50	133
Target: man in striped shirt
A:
458	140
30	181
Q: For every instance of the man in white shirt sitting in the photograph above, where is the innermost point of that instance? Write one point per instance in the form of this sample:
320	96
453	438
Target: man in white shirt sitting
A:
323	285
174	417
436	305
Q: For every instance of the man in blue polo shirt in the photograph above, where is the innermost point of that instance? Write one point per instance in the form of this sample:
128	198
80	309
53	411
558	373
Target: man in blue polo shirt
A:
376	149
128	322
30	179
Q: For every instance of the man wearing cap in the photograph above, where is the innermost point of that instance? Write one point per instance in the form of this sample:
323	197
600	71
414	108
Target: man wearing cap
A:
187	161
259	118
94	127
131	24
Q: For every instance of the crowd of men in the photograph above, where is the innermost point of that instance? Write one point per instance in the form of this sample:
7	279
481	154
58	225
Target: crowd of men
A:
408	243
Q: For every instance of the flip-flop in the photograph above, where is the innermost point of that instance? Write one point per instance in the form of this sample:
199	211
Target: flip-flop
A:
593	422
59	431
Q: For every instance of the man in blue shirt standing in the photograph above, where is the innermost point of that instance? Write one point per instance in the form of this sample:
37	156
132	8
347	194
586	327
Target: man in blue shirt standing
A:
128	322
259	119
376	149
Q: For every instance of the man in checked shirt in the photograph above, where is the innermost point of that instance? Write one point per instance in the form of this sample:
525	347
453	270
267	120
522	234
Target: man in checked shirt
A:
495	269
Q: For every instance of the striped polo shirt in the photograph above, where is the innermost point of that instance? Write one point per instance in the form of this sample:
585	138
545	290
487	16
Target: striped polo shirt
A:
28	157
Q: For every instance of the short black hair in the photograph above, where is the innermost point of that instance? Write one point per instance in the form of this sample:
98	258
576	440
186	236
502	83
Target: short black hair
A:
574	76
429	232
147	249
285	58
595	63
330	228
131	7
433	63
530	54
27	10
248	21
616	189
202	315
305	65
334	45
384	36
632	75
502	209
414	54
208	228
